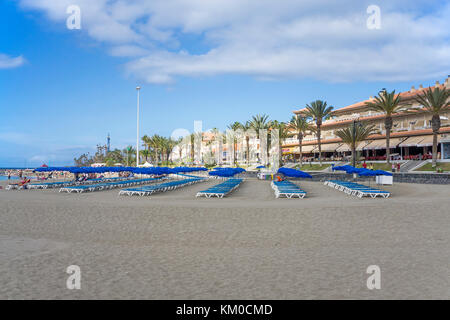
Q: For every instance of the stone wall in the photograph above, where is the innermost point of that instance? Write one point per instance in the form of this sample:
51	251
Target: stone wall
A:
424	178
427	178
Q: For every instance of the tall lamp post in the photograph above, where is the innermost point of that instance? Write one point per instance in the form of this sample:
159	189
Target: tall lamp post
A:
137	137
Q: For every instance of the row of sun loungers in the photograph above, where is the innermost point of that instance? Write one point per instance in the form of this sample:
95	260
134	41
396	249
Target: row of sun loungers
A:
161	187
107	185
356	189
18	186
61	184
287	189
221	189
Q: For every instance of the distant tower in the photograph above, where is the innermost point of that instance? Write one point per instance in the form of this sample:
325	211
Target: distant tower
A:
108	144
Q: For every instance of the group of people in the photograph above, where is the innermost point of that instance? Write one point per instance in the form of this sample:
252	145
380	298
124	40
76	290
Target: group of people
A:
394	167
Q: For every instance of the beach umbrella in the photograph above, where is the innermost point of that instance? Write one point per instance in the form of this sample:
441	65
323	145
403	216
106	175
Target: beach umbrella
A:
341	168
289	172
382	173
367	173
226	172
260	167
347	169
222	173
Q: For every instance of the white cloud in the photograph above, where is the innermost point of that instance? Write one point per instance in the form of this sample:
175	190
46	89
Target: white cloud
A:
8	62
128	51
319	39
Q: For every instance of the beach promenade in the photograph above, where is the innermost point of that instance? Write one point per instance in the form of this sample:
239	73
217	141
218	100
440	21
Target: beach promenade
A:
247	246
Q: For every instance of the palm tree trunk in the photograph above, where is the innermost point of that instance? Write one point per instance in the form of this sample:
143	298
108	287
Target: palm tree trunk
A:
436	126
319	144
300	142
388	127
280	147
435	145
353	156
248	149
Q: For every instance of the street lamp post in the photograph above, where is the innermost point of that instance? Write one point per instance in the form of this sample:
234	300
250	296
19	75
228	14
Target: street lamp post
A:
137	137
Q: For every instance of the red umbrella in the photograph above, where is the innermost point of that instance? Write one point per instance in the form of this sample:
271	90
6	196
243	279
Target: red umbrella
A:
44	166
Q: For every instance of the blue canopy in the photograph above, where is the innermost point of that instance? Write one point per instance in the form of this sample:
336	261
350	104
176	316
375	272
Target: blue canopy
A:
87	170
188	169
362	171
347	169
226	172
294	173
260	167
367	172
382	173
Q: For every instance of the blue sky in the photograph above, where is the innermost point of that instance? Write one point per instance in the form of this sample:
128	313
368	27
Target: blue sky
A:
62	91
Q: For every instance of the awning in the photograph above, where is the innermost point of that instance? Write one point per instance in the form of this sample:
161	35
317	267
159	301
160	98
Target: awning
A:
428	141
308	149
412	141
362	145
330	147
381	144
395	142
343	148
376	144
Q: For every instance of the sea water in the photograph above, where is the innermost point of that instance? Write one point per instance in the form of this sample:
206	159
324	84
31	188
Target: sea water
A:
6	178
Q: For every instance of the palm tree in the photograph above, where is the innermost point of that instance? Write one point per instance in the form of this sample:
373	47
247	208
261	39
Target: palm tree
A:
146	140
247	128
435	102
129	154
192	141
259	122
387	103
156	145
192	138
218	137
169	146
354	134
145	153
318	111
180	143
283	132
301	125
235	126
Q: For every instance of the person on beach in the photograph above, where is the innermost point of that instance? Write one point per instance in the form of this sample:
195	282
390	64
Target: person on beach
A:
364	165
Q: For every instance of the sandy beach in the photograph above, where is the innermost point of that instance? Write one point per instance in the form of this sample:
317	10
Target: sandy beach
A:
247	246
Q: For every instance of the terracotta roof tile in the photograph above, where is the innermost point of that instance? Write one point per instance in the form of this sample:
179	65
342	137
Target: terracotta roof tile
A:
377	136
405	95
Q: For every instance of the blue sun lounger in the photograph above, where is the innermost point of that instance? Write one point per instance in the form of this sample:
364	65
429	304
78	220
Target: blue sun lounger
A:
356	189
61	184
108	185
161	187
221	190
287	189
